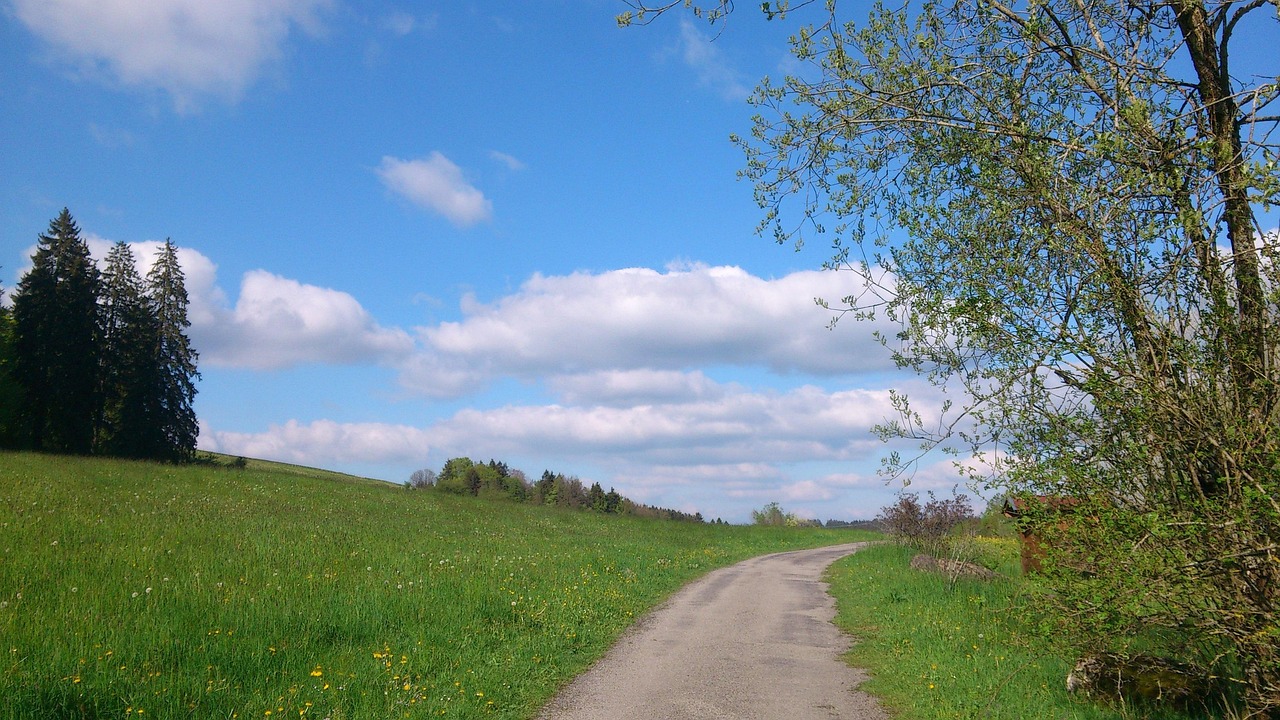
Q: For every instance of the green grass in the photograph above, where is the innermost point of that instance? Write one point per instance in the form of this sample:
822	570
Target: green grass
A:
941	651
133	590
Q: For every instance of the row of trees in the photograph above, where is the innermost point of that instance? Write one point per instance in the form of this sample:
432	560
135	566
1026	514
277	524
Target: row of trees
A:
773	515
98	361
1058	206
464	476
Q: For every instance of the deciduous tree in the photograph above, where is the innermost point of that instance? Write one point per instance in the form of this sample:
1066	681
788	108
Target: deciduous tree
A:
1057	202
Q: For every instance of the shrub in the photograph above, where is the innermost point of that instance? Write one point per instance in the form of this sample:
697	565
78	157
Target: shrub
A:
926	527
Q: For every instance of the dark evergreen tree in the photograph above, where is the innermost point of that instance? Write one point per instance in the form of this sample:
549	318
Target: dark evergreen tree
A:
175	359
57	338
10	391
612	501
130	425
596	498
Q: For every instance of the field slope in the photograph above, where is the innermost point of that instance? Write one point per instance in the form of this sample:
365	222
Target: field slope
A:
142	590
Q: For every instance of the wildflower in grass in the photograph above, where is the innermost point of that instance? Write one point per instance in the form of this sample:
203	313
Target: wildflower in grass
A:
317	672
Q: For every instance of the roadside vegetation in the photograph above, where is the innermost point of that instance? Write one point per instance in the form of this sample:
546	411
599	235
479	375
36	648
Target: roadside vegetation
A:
940	645
258	590
1060	215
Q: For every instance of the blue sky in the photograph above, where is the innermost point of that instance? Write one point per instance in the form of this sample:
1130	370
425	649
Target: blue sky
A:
414	231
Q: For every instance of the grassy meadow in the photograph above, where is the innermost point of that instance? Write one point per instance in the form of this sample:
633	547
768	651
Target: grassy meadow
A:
135	590
966	650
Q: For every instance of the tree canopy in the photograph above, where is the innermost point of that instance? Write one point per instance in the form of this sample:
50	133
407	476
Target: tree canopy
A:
1058	204
98	361
57	340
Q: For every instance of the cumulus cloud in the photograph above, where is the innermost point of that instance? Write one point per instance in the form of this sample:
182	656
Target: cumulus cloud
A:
644	320
631	387
436	184
322	441
278	322
734	451
188	48
200	275
740	429
701	54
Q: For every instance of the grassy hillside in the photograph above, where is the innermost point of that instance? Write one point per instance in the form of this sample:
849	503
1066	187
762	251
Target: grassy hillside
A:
139	590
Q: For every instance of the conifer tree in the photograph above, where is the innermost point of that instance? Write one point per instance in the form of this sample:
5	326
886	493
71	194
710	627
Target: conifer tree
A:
10	391
130	374
175	359
57	337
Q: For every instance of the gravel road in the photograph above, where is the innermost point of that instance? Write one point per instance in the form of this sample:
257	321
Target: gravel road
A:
754	640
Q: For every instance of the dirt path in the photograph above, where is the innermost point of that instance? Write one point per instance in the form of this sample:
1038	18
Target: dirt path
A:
754	640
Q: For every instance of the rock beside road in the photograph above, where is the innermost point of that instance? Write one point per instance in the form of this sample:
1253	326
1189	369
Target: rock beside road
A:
952	568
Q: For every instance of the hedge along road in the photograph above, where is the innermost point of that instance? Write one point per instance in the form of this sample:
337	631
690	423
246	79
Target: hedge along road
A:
754	640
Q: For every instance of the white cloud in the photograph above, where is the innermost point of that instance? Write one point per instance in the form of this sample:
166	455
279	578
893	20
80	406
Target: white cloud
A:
701	54
740	429
630	387
644	320
436	184
322	441
188	48
723	455
278	322
200	275
510	161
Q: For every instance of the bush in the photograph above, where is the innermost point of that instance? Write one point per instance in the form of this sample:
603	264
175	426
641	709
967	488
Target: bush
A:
929	527
773	514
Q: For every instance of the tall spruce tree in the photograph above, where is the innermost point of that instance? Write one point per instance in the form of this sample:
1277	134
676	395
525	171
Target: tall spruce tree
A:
10	391
131	390
57	337
175	359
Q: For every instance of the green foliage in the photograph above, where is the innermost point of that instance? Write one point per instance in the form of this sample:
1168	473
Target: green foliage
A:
464	476
969	649
132	589
10	391
1056	206
175	359
57	341
129	425
94	363
773	515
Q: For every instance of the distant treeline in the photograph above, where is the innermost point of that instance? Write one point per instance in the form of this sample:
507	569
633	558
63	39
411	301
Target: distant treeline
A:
855	525
464	476
97	361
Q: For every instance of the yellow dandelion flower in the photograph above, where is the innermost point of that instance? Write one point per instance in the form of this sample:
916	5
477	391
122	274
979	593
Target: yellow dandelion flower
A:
317	672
